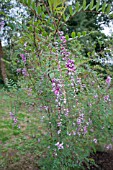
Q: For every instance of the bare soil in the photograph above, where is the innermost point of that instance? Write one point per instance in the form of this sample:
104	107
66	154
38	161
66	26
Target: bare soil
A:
103	160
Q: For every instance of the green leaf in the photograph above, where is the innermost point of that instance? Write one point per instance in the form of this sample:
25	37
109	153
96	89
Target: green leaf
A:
84	4
94	7
33	5
51	75
97	5
70	10
73	34
91	4
78	34
77	6
67	18
87	7
64	17
24	2
104	6
108	9
39	9
67	37
29	2
53	4
84	33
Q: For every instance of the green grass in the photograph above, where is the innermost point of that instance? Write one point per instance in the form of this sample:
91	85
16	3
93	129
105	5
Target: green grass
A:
15	141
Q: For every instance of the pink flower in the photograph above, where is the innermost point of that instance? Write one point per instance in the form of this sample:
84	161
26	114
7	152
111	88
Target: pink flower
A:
108	80
24	72
59	124
56	87
23	58
79	121
70	65
106	98
63	39
96	96
85	129
59	145
18	70
95	140
56	91
60	33
59	131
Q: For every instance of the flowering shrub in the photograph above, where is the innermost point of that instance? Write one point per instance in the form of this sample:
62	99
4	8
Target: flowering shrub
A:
77	102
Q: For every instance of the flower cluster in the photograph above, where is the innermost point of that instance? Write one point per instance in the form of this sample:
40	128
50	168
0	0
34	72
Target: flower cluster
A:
59	145
56	87
13	117
63	39
108	80
18	70
106	98
23	58
70	65
24	72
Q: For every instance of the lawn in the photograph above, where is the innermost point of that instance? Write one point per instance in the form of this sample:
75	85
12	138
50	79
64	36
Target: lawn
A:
20	142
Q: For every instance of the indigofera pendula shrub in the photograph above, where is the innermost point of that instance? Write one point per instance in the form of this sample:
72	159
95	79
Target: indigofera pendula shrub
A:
75	100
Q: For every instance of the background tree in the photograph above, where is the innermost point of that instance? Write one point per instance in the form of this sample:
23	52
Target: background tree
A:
13	14
92	21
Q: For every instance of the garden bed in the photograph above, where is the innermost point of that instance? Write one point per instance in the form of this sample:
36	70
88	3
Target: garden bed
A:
103	161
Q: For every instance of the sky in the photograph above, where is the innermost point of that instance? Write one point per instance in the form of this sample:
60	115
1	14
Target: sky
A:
108	30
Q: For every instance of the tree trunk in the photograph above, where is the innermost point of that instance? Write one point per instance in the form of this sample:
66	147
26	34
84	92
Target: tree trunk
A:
2	64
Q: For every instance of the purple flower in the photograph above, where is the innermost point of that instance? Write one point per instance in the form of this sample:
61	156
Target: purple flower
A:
23	58
66	112
13	117
24	72
57	90
60	33
108	80
78	80
95	140
79	121
11	114
25	44
15	120
109	147
18	70
59	131
106	98
29	92
95	96
59	145
85	129
2	23
59	124
70	65
63	39
56	87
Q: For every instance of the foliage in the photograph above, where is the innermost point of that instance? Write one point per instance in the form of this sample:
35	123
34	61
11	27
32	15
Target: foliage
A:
55	76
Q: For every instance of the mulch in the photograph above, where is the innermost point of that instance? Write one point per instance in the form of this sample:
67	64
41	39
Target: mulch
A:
103	160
